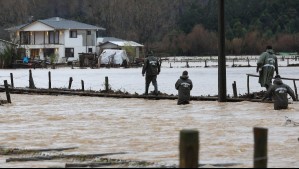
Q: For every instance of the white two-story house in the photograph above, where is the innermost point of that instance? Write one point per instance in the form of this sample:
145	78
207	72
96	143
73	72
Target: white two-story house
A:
62	38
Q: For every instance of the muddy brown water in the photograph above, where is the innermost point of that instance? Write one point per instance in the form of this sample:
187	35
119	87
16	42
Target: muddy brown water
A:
146	129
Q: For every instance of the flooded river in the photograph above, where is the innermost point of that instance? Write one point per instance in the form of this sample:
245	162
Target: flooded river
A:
146	129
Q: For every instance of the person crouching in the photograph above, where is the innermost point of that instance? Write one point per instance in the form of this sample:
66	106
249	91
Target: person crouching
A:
280	92
184	86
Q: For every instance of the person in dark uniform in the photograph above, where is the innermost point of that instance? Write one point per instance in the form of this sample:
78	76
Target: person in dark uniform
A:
151	69
280	92
266	66
184	86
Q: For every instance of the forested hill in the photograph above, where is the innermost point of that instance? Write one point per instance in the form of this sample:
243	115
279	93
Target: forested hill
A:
177	27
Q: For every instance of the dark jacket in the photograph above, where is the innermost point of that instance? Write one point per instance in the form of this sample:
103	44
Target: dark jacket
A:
184	86
279	92
266	66
151	66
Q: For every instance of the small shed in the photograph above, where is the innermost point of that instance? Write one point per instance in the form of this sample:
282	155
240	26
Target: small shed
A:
134	50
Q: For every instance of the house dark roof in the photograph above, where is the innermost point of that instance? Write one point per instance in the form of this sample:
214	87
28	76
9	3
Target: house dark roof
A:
60	23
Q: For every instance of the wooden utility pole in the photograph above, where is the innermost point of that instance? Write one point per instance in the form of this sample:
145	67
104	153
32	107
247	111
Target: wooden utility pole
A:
221	56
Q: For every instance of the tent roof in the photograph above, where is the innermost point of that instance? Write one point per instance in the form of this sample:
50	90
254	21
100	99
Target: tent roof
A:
123	43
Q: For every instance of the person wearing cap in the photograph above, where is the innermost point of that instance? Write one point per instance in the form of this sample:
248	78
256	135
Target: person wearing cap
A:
151	69
184	86
280	92
266	66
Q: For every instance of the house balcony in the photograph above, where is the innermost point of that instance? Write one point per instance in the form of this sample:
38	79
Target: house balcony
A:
40	46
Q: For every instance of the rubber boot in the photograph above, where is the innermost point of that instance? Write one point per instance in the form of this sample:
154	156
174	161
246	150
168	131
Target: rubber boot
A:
146	89
156	88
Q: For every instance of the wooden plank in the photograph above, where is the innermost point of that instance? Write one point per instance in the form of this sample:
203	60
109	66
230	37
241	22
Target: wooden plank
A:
283	78
113	95
43	158
11	151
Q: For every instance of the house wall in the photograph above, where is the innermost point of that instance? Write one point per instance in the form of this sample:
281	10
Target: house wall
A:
81	44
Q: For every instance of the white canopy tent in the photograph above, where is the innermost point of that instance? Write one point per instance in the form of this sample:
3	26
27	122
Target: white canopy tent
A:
113	56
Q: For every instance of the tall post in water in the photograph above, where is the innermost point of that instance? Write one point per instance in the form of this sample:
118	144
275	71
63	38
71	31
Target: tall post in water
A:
221	55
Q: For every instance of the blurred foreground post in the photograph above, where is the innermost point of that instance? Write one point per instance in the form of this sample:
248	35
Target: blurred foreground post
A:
189	148
7	91
260	147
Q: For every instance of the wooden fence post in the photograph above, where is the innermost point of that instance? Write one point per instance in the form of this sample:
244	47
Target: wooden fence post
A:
295	88
82	84
260	147
7	91
106	83
31	82
189	149
248	62
50	83
248	88
235	89
11	80
70	83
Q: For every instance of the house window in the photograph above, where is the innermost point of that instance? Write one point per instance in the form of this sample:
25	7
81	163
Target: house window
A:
25	38
88	32
69	52
89	50
53	37
57	37
73	34
34	54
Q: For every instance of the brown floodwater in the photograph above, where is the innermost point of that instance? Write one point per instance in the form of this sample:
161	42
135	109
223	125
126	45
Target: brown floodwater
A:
146	129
